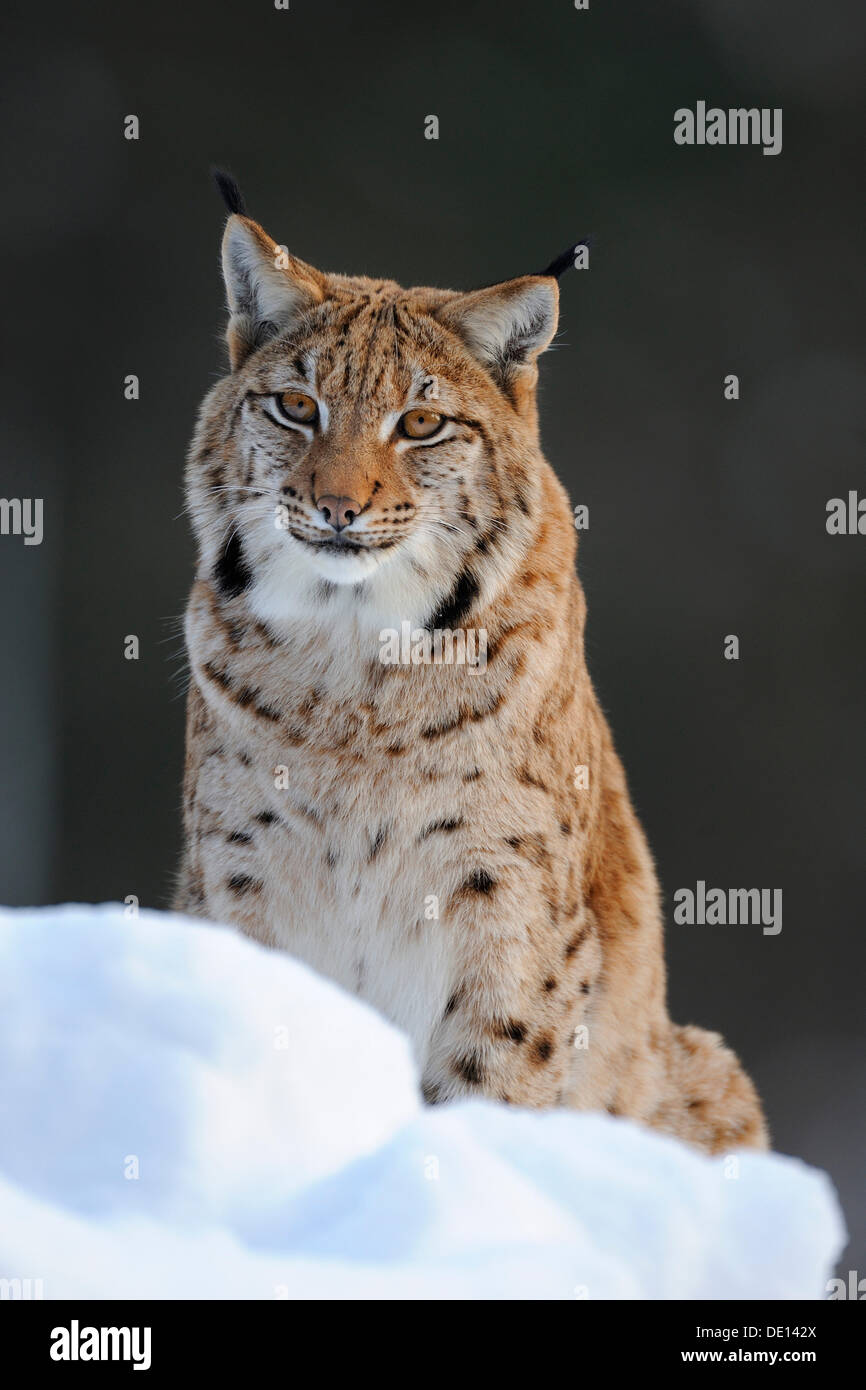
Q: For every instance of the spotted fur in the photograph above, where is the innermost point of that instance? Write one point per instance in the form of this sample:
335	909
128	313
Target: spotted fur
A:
414	831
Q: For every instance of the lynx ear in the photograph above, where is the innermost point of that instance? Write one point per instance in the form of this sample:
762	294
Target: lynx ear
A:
506	326
266	287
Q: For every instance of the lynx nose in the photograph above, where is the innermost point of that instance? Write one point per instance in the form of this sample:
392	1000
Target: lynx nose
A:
339	512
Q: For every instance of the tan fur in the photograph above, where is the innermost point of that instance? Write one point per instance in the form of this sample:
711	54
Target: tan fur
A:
412	789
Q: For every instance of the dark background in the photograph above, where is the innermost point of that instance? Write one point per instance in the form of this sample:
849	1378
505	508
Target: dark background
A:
707	517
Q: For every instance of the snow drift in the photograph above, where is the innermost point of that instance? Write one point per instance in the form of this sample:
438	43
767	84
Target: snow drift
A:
184	1114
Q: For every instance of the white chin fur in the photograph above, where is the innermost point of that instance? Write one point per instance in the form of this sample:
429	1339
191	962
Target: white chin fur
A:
376	590
349	568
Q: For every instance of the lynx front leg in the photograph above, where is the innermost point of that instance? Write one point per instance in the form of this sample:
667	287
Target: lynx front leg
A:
508	1029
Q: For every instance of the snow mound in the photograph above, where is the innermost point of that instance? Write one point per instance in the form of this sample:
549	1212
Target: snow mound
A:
185	1114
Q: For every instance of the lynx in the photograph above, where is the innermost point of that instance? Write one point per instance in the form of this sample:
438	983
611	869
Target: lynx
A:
415	830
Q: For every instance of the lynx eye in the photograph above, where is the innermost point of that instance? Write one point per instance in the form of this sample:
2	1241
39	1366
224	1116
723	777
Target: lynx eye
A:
421	423
298	406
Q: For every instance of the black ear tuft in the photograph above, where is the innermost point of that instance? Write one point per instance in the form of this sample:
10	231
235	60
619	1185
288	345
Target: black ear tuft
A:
232	196
565	261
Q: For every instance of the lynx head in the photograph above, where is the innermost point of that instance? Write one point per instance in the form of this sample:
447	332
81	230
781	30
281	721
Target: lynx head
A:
374	450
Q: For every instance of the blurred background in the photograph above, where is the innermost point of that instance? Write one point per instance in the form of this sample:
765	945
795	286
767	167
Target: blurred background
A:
707	516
